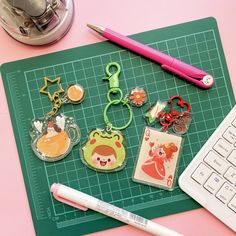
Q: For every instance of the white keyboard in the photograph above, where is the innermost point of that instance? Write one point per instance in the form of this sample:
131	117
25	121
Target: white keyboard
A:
210	178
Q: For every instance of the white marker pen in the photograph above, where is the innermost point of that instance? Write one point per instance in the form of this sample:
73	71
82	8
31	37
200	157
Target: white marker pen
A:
84	201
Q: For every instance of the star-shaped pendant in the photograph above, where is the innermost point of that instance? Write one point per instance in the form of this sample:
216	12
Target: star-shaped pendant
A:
44	88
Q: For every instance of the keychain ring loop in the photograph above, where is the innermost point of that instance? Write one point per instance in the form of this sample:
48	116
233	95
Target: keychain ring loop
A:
116	102
113	64
115	91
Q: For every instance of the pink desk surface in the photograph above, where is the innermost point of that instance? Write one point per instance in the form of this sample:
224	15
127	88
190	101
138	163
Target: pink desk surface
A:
127	17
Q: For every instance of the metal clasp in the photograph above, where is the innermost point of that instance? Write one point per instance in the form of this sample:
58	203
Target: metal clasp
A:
113	77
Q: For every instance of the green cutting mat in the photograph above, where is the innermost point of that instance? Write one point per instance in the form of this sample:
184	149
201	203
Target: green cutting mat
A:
197	43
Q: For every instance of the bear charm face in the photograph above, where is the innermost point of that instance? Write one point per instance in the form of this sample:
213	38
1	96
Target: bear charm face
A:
104	151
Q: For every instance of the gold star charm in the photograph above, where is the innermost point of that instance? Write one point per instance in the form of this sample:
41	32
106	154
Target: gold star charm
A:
44	88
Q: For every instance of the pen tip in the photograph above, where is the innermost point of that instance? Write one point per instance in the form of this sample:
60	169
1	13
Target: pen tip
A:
97	28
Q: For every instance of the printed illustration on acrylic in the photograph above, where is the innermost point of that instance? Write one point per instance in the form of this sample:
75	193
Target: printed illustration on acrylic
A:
104	151
52	139
159	155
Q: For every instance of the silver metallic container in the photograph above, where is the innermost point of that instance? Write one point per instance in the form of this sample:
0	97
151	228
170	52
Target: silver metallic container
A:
36	22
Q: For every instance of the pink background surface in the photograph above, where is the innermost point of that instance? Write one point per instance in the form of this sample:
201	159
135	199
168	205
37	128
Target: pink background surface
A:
127	17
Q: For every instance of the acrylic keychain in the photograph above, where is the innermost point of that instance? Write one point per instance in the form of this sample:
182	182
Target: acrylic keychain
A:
104	149
54	135
160	150
138	96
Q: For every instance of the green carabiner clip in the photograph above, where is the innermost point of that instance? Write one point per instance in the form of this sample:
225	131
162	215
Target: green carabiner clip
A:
113	78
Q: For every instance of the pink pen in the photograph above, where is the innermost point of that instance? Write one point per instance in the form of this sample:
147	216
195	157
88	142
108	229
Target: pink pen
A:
168	63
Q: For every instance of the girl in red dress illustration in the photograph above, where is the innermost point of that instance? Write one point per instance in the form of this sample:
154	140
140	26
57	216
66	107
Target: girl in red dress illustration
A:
155	166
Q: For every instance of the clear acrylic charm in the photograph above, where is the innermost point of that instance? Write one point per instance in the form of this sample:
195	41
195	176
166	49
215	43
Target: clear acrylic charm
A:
104	151
182	123
158	159
154	112
53	138
75	94
138	97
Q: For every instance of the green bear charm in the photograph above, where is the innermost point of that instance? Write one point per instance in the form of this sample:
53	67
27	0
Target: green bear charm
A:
104	151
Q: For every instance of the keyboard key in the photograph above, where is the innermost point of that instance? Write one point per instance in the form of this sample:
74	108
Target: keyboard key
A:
232	157
234	123
222	147
230	135
201	174
230	175
216	162
213	183
218	192
232	204
225	193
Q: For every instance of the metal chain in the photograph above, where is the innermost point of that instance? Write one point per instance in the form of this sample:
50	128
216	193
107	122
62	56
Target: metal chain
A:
57	105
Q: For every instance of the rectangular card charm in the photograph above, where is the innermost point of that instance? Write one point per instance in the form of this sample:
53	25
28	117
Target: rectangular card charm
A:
158	159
